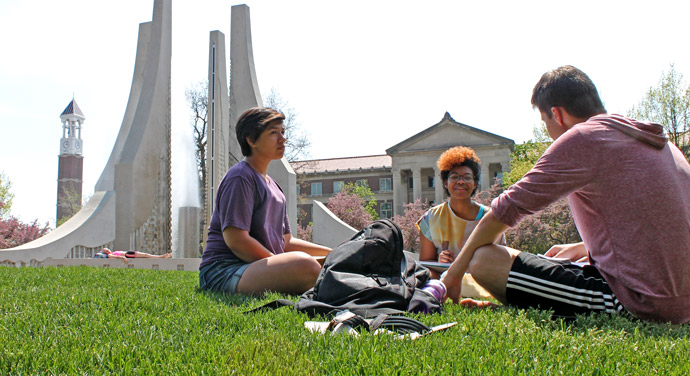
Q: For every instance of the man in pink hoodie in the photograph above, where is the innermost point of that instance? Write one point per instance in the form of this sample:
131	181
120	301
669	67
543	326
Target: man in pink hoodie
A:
629	191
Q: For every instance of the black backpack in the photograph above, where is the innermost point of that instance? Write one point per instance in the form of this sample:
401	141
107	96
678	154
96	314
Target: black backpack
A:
370	275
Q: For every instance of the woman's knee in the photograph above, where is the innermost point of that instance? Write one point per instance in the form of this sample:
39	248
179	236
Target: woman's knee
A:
307	268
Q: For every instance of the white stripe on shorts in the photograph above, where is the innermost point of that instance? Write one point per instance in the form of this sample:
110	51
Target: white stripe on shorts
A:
591	299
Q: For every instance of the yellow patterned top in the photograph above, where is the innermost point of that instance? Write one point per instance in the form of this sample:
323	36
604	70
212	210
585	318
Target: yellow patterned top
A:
445	229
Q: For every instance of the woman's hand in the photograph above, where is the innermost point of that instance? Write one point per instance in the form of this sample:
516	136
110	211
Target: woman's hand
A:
446	257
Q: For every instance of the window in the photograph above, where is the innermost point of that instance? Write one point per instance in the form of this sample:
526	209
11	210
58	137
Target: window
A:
362	183
298	189
409	182
431	181
316	189
338	186
385	184
386	210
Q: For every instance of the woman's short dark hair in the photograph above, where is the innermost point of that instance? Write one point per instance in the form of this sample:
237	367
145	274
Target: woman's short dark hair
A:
456	157
252	123
570	88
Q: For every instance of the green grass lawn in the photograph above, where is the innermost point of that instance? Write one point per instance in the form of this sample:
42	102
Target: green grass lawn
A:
83	320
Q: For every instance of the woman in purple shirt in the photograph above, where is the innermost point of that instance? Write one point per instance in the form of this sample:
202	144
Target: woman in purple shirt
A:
249	248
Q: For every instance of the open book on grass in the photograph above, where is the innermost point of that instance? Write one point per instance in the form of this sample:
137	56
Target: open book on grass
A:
442	266
436	266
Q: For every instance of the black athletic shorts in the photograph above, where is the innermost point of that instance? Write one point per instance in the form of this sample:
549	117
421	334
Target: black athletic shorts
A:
558	285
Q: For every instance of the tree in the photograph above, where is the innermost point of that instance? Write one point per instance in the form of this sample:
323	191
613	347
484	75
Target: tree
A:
538	232
353	205
297	144
306	232
362	190
14	233
6	195
525	156
197	98
669	105
70	202
408	223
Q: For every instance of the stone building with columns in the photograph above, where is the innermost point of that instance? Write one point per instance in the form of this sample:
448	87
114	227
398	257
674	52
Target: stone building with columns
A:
406	172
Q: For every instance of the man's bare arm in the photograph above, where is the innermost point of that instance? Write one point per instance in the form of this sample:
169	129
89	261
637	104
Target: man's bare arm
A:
487	232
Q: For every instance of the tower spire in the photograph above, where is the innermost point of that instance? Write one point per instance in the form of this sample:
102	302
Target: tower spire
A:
70	162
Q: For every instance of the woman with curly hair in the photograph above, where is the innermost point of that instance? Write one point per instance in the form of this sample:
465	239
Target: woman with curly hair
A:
444	228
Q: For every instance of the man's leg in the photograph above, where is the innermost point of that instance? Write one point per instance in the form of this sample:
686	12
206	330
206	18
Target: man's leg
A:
290	272
137	254
490	267
525	280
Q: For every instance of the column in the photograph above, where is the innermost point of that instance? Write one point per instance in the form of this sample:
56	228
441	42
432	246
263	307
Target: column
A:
397	192
485	179
505	167
416	183
438	186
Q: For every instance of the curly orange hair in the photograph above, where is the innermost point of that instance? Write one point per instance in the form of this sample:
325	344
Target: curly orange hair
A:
456	156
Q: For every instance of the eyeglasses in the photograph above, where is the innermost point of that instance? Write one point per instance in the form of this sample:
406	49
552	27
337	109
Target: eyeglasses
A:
454	178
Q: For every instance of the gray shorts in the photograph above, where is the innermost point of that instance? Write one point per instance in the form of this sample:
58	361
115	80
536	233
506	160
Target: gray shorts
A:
222	276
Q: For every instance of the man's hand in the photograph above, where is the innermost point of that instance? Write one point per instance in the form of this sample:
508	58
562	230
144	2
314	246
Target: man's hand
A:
453	288
446	257
572	252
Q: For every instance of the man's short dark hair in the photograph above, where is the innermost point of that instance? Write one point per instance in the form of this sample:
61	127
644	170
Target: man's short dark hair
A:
252	123
570	88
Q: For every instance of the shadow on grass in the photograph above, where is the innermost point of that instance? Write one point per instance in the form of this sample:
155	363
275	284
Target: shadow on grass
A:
583	324
241	302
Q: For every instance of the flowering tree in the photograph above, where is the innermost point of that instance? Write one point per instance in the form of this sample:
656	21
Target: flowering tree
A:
306	232
13	232
407	223
538	232
350	208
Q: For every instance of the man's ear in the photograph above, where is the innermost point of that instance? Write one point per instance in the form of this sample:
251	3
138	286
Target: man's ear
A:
557	114
249	141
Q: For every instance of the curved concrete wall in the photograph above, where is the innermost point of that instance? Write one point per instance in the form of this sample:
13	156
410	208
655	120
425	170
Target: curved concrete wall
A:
329	230
131	206
91	227
142	174
245	94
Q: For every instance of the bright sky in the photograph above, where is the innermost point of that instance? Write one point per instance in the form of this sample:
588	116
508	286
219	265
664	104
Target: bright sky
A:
362	75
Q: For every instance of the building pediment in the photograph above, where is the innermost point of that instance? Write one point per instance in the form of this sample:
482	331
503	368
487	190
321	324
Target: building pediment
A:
448	133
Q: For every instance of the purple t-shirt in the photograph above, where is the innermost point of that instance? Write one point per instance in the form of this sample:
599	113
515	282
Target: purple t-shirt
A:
246	201
629	190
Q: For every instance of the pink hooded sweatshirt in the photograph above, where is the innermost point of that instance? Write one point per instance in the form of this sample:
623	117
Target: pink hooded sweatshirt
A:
629	191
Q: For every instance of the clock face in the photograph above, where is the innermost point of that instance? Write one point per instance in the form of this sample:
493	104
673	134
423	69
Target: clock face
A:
77	144
65	144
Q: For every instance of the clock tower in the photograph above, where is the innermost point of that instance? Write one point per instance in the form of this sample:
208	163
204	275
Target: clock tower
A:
70	162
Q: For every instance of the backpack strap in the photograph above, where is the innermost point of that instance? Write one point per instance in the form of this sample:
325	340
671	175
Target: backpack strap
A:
278	303
404	325
376	322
